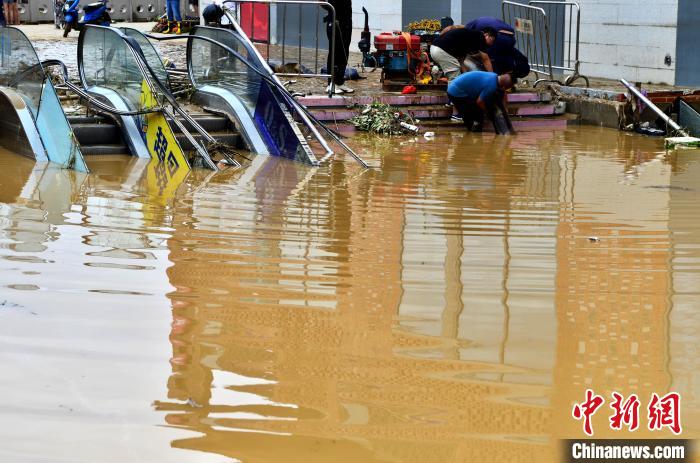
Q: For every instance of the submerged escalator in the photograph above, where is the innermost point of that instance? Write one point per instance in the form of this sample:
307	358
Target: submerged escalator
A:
235	103
32	121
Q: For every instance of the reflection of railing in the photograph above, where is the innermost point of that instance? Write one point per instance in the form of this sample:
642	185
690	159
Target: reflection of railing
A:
308	40
564	23
548	33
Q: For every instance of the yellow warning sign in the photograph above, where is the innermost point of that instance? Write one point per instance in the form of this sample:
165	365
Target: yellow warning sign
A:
160	140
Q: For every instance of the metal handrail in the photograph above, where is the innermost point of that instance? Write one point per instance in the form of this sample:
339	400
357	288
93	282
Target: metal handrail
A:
570	5
233	16
92	101
535	49
156	86
665	117
302	111
307	117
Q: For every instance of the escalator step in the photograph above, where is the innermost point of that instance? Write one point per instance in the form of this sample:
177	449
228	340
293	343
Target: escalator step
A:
89	120
97	134
208	122
228	138
98	150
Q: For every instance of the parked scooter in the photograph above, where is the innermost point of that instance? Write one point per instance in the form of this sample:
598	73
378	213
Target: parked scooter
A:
94	13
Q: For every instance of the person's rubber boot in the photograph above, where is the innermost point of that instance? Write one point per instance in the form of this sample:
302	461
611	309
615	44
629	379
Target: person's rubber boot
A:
176	28
169	29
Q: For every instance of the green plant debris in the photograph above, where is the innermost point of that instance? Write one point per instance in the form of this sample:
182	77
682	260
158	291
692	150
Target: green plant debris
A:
682	142
384	119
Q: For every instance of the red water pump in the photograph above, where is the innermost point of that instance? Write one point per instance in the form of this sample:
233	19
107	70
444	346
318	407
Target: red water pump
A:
393	54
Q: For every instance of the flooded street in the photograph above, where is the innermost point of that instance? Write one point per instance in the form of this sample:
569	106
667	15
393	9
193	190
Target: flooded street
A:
450	305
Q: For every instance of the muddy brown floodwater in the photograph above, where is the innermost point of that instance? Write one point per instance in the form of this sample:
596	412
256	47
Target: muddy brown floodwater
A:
450	305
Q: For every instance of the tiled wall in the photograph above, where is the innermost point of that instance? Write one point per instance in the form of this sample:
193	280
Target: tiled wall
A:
629	38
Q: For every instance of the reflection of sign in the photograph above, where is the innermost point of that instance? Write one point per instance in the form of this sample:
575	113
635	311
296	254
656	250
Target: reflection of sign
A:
163	178
524	26
159	137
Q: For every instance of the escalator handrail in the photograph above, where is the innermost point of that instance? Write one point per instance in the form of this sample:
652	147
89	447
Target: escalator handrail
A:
302	110
91	99
153	82
269	77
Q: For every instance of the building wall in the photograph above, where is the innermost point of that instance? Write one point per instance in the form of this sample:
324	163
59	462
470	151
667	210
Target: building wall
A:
472	9
415	10
629	38
687	58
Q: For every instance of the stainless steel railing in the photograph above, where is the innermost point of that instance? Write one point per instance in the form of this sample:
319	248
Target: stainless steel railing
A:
532	36
548	33
307	47
564	22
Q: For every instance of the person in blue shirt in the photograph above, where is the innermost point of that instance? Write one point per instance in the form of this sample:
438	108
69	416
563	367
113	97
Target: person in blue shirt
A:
505	58
479	93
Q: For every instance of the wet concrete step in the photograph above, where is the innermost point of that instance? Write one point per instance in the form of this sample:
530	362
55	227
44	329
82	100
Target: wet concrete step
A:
320	101
526	124
519	124
439	111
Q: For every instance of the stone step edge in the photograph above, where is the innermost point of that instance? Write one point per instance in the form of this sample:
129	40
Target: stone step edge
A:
319	101
343	114
519	125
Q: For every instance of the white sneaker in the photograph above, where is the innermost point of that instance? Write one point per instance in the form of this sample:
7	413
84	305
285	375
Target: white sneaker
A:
337	90
346	89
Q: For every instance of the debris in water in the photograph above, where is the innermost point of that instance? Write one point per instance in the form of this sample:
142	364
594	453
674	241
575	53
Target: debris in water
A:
193	404
384	119
5	303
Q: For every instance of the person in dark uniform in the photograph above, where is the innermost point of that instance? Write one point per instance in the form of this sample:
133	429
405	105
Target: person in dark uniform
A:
459	50
343	36
504	56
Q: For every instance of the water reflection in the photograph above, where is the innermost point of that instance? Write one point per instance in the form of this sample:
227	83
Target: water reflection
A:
436	309
450	305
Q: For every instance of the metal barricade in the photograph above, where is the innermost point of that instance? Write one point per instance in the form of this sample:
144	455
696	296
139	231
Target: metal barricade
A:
532	36
564	24
295	40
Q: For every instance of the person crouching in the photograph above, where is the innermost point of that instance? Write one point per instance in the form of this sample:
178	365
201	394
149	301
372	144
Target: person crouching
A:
459	50
480	93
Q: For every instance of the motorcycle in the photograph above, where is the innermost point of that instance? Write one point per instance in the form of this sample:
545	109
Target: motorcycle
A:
94	13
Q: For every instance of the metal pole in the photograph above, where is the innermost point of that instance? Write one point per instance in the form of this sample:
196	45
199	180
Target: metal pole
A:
654	108
331	50
301	19
318	20
284	29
